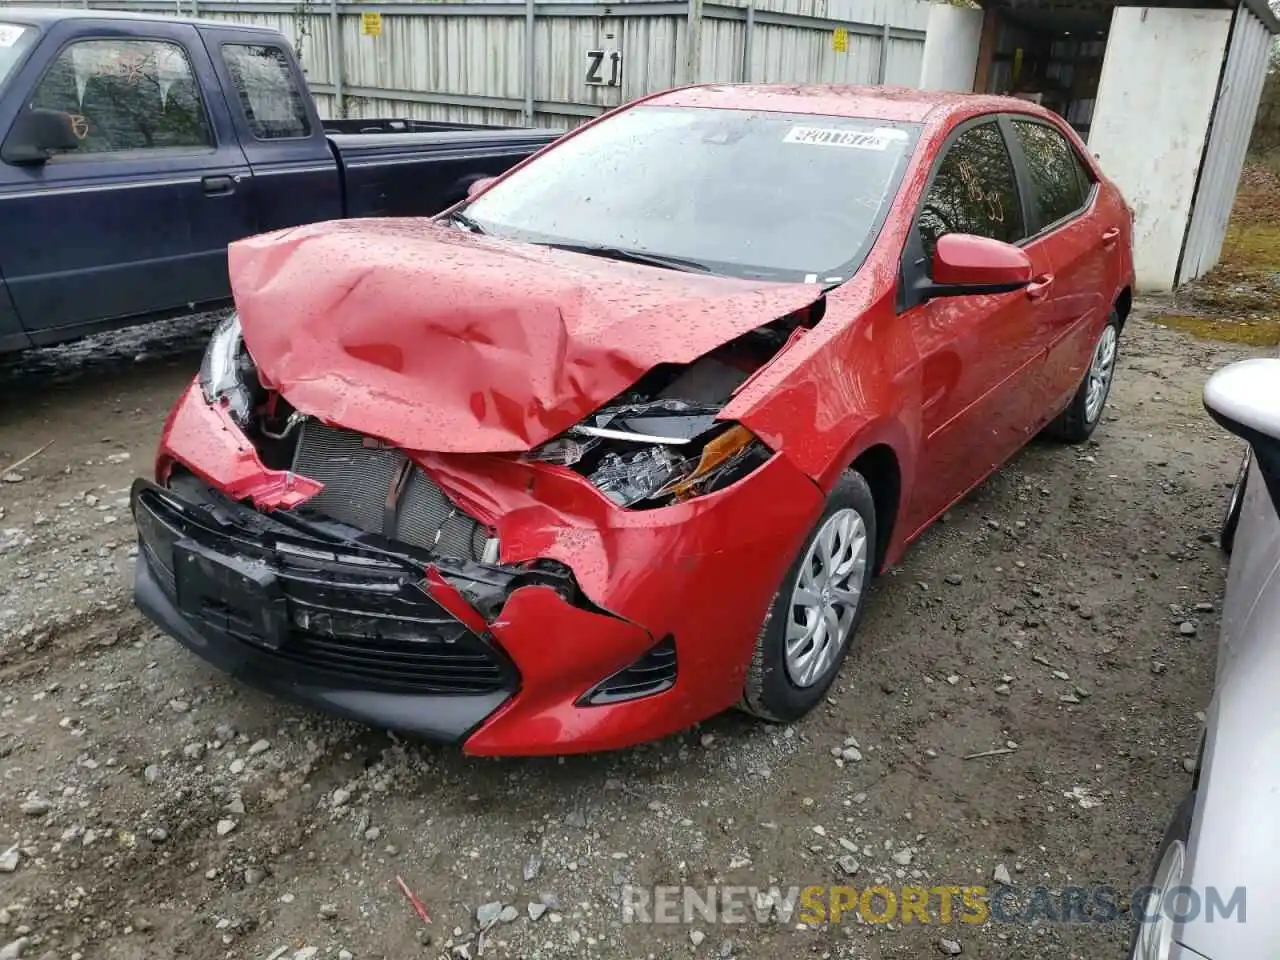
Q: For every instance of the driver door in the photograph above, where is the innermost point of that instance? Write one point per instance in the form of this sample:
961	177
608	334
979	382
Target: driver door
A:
137	220
979	354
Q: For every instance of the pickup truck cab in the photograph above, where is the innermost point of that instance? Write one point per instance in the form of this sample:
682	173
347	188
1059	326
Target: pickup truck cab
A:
134	148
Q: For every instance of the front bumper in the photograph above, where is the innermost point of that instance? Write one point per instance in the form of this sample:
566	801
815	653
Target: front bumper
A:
696	577
363	630
343	627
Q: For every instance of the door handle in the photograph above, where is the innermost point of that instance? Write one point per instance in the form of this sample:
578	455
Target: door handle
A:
1109	237
1039	287
217	186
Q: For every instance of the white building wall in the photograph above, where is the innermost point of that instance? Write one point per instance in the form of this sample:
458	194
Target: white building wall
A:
949	59
1238	96
1155	99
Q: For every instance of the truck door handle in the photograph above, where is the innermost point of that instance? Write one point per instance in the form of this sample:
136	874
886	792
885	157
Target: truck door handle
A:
217	186
1109	237
1039	287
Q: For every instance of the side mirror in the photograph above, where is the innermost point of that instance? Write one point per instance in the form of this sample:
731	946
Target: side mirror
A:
36	135
965	265
1244	397
478	185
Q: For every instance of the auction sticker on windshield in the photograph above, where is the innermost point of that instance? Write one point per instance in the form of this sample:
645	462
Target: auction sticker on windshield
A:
838	138
9	34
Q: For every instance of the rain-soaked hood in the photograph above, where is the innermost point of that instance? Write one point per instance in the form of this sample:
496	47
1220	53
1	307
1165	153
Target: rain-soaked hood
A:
433	338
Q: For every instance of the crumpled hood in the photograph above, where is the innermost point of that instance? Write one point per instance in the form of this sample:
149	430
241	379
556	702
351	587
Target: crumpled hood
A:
433	338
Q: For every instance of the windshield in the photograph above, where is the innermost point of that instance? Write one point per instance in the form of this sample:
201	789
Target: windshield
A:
749	194
15	40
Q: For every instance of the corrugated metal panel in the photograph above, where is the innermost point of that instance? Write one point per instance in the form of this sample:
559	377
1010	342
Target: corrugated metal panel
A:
906	59
1241	88
790	55
469	55
442	63
722	51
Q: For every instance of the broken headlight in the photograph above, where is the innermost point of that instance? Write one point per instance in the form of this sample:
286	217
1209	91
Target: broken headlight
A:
227	375
657	453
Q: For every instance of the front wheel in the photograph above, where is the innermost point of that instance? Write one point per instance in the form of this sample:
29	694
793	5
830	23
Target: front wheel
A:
816	612
1152	932
1077	423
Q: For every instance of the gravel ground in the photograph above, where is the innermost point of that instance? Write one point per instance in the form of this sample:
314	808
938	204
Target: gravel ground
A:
1064	613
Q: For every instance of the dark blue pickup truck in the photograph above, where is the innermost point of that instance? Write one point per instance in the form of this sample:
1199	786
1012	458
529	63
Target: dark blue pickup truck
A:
135	148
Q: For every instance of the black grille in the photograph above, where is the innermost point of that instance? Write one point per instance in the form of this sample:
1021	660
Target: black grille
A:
654	672
337	617
361	475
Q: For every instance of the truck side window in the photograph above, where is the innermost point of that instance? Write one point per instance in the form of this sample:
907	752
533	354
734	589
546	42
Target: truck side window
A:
126	95
272	103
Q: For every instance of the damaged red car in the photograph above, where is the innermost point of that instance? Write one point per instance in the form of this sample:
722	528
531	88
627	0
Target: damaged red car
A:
619	442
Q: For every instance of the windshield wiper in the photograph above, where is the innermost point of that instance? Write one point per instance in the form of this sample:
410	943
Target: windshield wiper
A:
633	256
464	221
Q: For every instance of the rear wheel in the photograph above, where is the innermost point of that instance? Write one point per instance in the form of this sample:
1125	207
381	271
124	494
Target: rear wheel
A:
816	612
1077	423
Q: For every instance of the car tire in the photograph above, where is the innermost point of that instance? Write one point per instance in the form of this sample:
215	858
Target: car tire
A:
1227	538
783	683
1077	422
1177	832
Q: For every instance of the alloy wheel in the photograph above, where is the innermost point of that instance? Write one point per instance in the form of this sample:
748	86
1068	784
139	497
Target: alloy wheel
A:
1101	369
1155	937
826	596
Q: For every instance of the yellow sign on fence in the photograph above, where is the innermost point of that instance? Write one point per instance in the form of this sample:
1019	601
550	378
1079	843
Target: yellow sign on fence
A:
371	24
840	40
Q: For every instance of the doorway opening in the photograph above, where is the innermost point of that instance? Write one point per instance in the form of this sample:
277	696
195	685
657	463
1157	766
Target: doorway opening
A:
1052	57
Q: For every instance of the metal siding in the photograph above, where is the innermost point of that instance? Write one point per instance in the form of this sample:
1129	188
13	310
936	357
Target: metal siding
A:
906	60
446	54
721	59
1242	80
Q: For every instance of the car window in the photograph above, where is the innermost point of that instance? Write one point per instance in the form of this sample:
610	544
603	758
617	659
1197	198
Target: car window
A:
126	95
15	41
740	192
1059	181
974	191
269	96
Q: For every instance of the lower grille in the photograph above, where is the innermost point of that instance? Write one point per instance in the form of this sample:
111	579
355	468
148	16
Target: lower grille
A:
376	488
652	673
353	622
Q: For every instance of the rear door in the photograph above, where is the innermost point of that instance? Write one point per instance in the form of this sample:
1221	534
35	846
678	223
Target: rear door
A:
137	219
1080	241
295	173
979	354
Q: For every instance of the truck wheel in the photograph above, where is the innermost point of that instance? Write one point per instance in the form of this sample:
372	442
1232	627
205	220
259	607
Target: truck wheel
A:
815	614
1076	423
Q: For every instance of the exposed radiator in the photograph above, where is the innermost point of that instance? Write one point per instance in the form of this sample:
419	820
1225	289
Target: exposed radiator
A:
359	476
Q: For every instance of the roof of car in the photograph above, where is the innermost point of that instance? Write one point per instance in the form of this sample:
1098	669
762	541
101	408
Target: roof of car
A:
43	16
900	104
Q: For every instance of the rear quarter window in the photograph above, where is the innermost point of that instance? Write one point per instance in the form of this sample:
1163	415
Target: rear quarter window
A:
269	97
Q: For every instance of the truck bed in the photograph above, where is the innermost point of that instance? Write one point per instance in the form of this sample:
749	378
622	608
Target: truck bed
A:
422	173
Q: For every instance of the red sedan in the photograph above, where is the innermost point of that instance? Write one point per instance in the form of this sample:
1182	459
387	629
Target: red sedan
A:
620	441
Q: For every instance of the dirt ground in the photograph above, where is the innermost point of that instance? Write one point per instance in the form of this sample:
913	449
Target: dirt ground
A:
156	809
